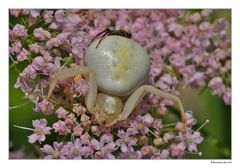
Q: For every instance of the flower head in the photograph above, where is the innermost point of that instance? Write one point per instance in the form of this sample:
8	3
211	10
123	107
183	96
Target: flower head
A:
190	140
125	141
40	131
104	149
53	152
19	31
44	106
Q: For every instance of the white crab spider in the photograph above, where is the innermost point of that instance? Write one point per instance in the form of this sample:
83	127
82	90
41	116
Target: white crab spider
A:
115	68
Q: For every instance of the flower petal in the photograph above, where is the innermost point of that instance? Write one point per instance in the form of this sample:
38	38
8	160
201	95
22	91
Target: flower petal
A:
33	138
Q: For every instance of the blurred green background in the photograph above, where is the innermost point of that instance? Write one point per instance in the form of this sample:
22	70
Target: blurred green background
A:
217	134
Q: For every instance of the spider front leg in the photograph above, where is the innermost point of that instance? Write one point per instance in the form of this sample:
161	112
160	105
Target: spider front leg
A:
137	96
87	72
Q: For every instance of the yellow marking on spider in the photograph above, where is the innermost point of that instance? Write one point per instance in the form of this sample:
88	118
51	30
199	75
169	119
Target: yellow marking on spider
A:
123	64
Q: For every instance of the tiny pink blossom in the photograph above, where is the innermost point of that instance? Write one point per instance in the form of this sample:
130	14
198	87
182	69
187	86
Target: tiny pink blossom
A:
205	26
227	96
164	154
29	72
137	126
16	47
190	120
54	26
60	15
217	86
190	140
72	150
198	79
104	150
46	55
38	63
179	126
85	138
157	124
126	142
20	31
168	137
79	109
131	155
85	120
47	15
53	152
195	18
40	131
35	12
81	86
177	150
206	12
41	34
35	48
71	121
156	69
49	68
147	119
78	130
165	82
23	55
44	106
61	128
95	130
61	112
23	84
15	12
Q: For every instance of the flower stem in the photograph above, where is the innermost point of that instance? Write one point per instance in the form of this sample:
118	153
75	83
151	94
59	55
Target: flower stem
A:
169	125
206	122
195	153
153	133
12	65
25	128
21	105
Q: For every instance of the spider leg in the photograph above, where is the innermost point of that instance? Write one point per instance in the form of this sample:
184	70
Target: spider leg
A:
103	36
90	75
137	96
96	36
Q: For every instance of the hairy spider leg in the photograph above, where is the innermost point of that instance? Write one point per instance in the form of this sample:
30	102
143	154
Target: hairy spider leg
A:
97	35
103	36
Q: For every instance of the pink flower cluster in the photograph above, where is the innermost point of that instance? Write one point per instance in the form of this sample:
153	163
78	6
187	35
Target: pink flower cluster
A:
183	47
144	138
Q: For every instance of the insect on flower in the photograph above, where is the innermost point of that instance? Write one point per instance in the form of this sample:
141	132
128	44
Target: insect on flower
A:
115	69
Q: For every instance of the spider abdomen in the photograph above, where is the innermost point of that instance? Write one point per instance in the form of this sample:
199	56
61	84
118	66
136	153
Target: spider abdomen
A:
120	63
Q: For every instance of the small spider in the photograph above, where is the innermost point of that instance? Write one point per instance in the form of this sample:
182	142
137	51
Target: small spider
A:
115	73
109	32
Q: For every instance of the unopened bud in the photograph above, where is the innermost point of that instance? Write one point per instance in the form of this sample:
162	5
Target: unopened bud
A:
157	141
143	140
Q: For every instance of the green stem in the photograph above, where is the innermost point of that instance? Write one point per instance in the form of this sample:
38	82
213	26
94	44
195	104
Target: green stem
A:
168	129
25	128
153	133
11	25
169	125
12	65
21	105
23	22
202	90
